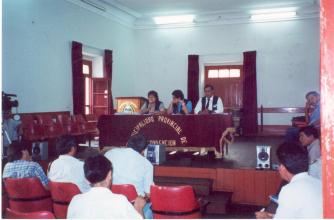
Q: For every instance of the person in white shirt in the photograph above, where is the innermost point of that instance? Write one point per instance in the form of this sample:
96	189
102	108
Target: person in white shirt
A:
99	201
131	167
302	196
67	168
315	169
209	103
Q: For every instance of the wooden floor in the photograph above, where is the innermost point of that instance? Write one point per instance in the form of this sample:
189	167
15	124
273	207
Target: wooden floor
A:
234	173
241	154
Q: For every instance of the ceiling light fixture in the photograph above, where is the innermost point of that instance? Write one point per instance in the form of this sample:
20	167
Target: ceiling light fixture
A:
273	16
175	19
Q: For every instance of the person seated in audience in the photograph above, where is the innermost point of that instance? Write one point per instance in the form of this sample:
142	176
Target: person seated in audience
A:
67	168
209	103
131	167
153	105
312	105
179	105
99	201
302	121
302	196
20	165
315	169
309	138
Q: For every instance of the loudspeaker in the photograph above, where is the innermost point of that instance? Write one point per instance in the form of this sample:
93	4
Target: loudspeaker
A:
39	151
263	157
155	153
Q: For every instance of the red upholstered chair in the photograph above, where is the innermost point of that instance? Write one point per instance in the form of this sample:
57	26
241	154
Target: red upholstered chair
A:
52	129
68	125
27	195
128	190
4	200
11	214
31	130
62	194
174	202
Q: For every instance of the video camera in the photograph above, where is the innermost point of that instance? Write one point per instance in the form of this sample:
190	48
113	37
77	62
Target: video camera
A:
8	102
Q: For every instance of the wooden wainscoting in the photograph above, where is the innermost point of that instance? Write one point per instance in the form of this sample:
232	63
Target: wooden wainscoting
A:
249	186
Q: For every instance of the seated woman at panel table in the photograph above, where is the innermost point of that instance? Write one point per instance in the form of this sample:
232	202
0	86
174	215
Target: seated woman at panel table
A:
153	105
179	105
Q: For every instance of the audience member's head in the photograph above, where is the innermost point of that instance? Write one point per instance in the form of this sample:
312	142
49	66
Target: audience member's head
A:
152	96
138	143
208	91
313	97
98	171
66	145
293	160
307	135
177	96
18	151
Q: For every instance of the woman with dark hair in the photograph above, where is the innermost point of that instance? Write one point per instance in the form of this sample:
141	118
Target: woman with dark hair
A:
153	105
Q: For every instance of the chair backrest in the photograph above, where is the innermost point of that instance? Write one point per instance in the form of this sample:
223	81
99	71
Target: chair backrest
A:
11	214
63	119
31	131
128	190
27	195
62	194
52	129
174	202
44	119
4	199
79	118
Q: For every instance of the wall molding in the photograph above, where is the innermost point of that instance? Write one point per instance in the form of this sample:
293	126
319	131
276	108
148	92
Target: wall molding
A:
134	20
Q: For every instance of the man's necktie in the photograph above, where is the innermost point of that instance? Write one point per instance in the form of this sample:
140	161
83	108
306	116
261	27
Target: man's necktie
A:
207	103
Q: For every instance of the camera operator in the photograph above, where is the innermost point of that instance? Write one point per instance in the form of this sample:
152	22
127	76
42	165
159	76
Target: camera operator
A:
11	129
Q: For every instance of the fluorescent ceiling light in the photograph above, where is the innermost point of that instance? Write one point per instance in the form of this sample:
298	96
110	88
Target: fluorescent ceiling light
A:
273	10
273	16
176	19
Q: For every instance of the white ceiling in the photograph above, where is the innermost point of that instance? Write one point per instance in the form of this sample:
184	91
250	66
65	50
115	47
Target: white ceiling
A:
139	13
163	7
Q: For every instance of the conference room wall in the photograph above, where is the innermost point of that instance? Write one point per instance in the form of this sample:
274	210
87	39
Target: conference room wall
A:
37	37
287	59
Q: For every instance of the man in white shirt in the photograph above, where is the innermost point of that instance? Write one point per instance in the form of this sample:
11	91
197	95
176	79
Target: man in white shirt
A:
302	196
100	202
209	103
131	167
67	168
315	169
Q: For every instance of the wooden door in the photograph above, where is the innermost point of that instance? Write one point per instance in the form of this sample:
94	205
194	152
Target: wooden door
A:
228	83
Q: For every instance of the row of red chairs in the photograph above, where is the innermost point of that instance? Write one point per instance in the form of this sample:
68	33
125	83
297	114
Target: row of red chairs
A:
39	127
28	195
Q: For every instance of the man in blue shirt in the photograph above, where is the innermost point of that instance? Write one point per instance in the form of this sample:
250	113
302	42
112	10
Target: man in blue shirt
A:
313	99
179	105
